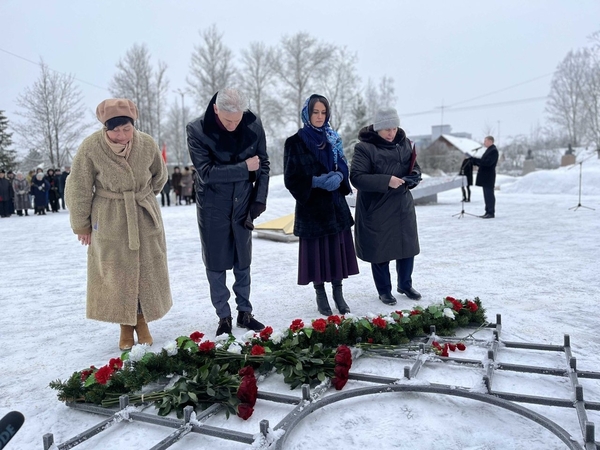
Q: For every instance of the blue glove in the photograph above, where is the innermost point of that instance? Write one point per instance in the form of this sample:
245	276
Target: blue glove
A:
334	179
319	182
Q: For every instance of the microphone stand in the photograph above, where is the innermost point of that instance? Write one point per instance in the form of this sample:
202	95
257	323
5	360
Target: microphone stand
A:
579	205
462	212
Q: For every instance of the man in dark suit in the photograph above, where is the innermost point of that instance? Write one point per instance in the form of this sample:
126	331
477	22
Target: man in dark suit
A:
486	176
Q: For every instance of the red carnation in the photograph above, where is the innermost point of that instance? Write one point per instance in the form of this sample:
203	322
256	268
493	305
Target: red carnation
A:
436	344
244	410
370	340
450	299
86	373
103	374
379	322
341	371
319	325
460	346
206	346
452	347
472	306
334	319
257	350
415	312
296	325
266	333
196	336
116	363
399	314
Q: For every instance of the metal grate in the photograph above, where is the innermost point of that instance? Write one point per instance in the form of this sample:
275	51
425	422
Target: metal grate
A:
309	402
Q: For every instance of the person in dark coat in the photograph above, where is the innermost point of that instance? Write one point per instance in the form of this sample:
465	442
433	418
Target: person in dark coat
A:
166	193
6	195
62	181
53	197
39	189
466	169
228	148
486	176
384	169
10	176
187	185
316	174
176	184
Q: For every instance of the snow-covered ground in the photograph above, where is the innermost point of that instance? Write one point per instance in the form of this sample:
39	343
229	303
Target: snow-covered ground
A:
536	263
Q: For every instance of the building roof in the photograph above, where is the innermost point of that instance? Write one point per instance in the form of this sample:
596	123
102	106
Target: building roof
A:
465	145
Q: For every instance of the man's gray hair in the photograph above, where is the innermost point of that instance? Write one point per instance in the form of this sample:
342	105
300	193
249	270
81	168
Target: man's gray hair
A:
231	100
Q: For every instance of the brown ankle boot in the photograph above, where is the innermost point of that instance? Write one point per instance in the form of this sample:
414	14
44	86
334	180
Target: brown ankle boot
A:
126	340
143	333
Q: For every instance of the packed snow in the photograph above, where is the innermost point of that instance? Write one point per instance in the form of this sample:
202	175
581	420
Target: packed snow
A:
536	264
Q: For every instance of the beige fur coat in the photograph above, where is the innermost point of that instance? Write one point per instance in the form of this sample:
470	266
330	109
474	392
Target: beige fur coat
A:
115	201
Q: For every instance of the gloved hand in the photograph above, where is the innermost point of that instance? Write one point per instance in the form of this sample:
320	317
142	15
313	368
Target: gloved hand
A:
319	182
328	181
333	181
256	209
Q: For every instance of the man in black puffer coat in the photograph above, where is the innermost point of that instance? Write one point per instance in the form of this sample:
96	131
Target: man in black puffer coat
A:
228	148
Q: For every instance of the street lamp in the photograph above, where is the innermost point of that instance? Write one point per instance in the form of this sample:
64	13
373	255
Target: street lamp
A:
182	92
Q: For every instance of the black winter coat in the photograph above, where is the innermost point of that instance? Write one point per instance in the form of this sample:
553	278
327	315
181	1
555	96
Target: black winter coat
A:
386	222
486	175
225	188
318	212
466	169
39	190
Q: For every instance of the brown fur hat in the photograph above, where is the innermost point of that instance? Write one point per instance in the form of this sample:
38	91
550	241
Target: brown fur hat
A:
116	107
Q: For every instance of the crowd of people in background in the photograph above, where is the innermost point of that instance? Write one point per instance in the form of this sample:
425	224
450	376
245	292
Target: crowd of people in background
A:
39	191
44	192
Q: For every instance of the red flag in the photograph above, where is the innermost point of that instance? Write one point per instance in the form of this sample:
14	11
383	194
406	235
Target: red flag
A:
164	153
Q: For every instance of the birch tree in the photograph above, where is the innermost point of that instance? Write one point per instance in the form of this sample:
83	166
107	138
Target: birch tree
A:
211	67
300	62
52	109
139	81
566	102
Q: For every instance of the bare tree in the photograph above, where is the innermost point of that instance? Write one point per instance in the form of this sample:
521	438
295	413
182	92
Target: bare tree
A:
381	96
566	102
175	135
53	110
340	86
137	80
257	81
300	61
211	66
592	93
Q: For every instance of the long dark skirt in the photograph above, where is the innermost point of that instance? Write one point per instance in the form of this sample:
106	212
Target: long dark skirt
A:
326	258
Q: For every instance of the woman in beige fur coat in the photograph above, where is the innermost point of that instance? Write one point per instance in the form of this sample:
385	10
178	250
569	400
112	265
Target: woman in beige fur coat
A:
111	196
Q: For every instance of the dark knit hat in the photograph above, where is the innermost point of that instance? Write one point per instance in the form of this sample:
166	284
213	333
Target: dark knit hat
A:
116	107
386	118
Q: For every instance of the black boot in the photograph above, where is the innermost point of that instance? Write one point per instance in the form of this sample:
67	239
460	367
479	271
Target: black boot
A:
338	297
322	302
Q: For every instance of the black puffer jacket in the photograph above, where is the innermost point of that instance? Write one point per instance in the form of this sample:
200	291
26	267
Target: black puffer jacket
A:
386	223
318	212
224	186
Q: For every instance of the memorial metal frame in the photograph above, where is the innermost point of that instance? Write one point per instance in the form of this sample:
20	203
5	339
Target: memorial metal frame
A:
310	402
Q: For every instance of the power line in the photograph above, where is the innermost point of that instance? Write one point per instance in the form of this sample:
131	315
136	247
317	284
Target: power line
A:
465	108
53	70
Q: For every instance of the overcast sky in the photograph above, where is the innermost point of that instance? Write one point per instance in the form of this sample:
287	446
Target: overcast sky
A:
438	52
